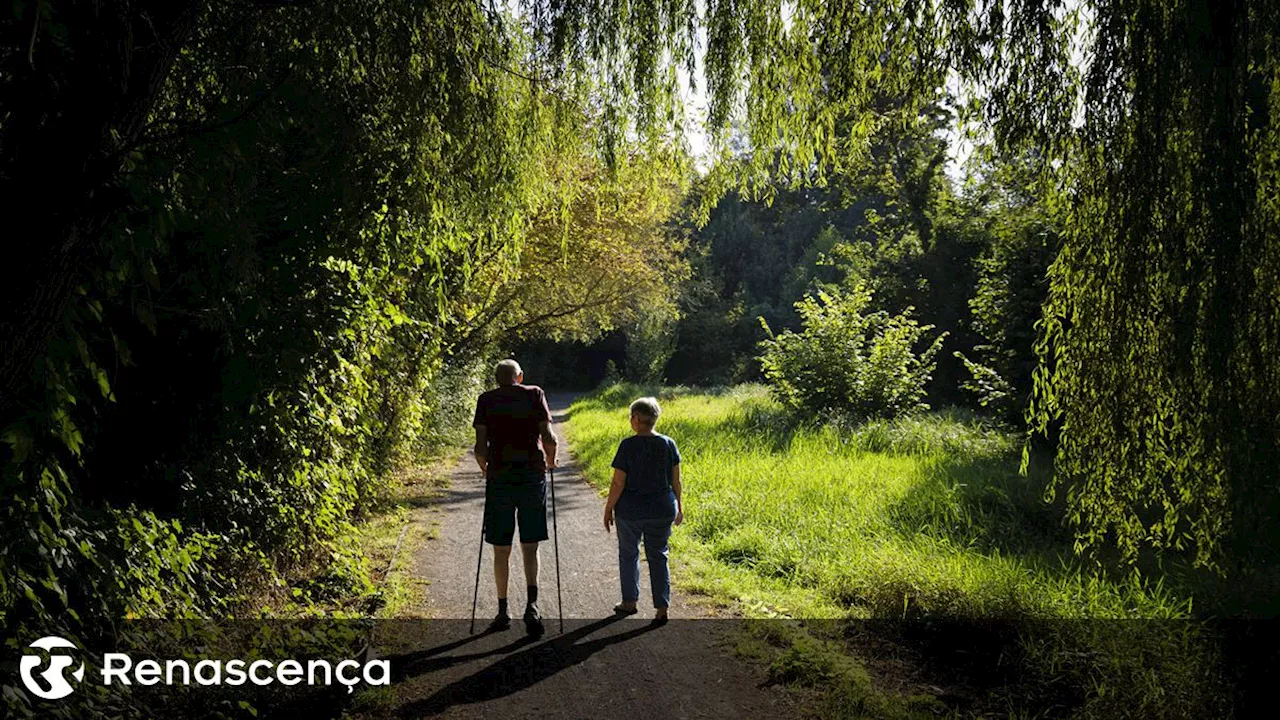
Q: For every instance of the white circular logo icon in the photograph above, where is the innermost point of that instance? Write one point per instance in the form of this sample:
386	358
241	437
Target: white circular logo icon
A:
54	677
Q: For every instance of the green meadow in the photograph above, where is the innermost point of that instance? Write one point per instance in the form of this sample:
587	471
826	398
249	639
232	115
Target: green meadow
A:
919	518
902	518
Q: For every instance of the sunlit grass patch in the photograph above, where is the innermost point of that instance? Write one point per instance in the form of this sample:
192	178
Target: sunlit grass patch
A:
914	516
370	566
910	519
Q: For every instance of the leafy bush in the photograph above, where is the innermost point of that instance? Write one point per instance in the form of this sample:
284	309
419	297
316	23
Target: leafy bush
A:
848	361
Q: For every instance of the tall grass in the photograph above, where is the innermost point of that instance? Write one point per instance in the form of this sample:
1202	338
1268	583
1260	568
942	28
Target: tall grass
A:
919	516
924	517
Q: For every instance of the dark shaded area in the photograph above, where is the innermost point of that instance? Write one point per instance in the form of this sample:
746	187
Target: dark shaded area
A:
75	99
571	365
983	667
521	670
974	667
751	261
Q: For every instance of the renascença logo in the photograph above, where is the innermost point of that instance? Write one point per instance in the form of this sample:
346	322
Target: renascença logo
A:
53	675
120	668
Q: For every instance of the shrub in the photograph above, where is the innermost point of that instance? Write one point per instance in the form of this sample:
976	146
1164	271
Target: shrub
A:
848	361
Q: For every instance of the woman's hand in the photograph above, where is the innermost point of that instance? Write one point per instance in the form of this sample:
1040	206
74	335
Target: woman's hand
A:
616	486
679	516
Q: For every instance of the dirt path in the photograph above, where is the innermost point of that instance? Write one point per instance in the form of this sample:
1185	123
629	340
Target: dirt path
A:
599	667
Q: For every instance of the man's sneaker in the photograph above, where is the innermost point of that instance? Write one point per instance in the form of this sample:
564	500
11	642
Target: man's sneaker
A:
500	623
533	622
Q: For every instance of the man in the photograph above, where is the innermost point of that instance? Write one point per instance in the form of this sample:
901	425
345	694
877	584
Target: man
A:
514	448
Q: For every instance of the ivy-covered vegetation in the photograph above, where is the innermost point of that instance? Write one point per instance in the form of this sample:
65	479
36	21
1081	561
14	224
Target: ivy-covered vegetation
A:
315	225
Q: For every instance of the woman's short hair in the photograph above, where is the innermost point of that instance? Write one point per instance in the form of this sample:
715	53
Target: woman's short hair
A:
648	410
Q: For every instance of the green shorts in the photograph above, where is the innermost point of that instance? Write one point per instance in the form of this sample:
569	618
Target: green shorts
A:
515	499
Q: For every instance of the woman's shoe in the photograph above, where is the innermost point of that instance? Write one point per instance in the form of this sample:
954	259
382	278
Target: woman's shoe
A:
660	616
626	608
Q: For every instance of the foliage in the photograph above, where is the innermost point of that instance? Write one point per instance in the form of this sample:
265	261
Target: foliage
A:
1162	321
1153	129
888	219
1011	289
650	343
847	360
749	261
267	315
599	254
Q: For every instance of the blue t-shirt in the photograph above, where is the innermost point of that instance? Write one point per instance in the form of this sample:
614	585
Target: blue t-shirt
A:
648	461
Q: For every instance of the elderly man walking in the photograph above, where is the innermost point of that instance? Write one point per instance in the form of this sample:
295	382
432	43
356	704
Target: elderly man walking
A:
514	448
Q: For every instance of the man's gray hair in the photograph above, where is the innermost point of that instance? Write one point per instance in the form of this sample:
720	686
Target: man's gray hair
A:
507	372
648	409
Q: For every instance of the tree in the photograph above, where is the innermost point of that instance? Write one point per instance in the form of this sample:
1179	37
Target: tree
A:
601	254
253	312
1159	158
749	261
1012	285
888	220
1161	327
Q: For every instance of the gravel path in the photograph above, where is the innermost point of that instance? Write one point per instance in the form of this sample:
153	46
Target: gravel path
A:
599	667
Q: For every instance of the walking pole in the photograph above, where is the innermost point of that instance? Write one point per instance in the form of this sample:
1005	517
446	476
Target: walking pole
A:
555	530
475	597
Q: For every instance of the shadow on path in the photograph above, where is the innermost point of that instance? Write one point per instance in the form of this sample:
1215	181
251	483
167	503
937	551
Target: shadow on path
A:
426	661
514	672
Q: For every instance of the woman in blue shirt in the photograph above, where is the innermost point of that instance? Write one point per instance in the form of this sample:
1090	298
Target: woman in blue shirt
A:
645	499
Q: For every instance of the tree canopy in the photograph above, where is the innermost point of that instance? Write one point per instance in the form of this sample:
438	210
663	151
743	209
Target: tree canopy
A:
1153	126
258	226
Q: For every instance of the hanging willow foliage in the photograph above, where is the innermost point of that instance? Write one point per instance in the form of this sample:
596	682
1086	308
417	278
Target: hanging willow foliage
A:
1155	126
1161	334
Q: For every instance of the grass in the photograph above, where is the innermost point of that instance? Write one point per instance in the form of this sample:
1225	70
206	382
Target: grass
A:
390	539
369	572
920	518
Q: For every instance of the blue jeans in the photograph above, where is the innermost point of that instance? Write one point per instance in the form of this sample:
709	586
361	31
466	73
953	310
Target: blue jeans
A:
655	534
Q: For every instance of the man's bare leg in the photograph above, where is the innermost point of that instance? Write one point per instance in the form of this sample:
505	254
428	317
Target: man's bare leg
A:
532	619
501	568
530	552
501	573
